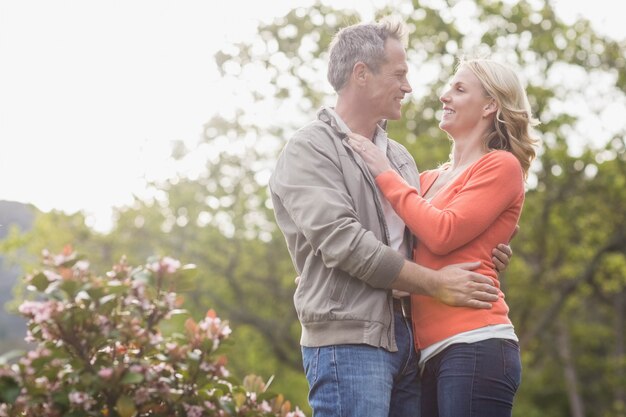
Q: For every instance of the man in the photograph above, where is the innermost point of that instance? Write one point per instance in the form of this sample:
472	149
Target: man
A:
350	248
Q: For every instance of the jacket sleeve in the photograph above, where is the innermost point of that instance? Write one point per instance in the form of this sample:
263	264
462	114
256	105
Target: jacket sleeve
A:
308	182
493	186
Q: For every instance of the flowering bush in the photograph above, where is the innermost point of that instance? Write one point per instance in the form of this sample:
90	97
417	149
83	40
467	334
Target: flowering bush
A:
100	350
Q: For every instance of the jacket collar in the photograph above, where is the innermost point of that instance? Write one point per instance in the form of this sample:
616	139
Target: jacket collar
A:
329	116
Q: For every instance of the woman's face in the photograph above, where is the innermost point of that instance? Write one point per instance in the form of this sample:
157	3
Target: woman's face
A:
465	105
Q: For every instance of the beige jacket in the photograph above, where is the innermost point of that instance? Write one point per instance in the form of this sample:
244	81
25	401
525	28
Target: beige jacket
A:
326	205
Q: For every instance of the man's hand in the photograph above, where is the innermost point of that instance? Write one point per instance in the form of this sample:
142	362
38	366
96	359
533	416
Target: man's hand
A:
502	253
457	285
502	256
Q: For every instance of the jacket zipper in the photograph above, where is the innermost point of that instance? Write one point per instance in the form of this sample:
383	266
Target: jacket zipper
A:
385	230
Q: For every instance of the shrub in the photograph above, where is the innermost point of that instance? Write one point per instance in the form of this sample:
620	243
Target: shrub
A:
100	349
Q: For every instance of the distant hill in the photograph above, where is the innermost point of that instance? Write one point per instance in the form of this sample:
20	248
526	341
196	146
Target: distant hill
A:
14	213
12	327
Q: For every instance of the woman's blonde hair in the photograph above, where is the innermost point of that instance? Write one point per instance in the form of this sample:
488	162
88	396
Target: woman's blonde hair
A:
513	123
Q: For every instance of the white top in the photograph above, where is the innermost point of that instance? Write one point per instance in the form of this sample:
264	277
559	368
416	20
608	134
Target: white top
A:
496	331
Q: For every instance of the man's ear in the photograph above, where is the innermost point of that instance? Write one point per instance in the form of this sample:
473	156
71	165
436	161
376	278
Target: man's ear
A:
360	72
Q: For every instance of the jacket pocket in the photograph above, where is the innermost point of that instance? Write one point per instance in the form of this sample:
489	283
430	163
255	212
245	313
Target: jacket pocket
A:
338	289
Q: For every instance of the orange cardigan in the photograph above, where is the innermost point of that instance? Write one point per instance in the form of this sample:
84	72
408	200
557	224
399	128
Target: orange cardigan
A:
463	222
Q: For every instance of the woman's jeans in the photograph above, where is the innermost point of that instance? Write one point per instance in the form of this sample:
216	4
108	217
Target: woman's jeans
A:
364	381
472	380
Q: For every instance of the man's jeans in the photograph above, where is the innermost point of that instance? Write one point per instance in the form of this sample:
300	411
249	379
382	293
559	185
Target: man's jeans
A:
472	379
364	381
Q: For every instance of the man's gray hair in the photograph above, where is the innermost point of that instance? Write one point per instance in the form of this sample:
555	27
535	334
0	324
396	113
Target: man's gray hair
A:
363	42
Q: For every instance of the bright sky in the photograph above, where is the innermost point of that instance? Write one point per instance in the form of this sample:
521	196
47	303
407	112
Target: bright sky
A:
92	93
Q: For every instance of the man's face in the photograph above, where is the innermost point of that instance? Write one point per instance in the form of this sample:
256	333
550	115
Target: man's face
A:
388	87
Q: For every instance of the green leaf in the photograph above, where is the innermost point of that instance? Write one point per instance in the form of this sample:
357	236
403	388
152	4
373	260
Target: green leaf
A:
228	406
178	311
142	275
96	293
75	413
239	398
70	287
223	387
40	282
9	389
107	298
60	397
71	262
12	354
132	378
267	395
125	406
117	289
186	278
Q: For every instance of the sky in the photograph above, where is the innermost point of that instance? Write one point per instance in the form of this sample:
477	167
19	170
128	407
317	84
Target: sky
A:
92	93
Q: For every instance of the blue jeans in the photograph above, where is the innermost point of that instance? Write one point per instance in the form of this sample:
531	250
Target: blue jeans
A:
364	381
472	380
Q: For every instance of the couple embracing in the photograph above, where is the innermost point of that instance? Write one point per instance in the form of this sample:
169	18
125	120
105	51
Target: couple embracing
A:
399	300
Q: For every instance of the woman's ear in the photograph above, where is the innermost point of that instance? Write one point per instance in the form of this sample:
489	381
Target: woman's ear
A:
490	108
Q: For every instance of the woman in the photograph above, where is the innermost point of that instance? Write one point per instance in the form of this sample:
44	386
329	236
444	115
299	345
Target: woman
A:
470	358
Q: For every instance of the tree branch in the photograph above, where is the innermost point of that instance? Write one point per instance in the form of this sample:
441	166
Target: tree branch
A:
616	244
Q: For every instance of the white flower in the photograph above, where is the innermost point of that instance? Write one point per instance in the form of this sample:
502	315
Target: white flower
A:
296	413
170	265
265	406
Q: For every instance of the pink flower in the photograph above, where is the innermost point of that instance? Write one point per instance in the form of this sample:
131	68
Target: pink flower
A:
142	395
166	265
213	328
170	299
105	373
224	372
192	410
155	338
81	399
171	265
29	337
40	311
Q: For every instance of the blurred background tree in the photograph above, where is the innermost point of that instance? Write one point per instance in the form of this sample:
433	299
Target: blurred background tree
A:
565	285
